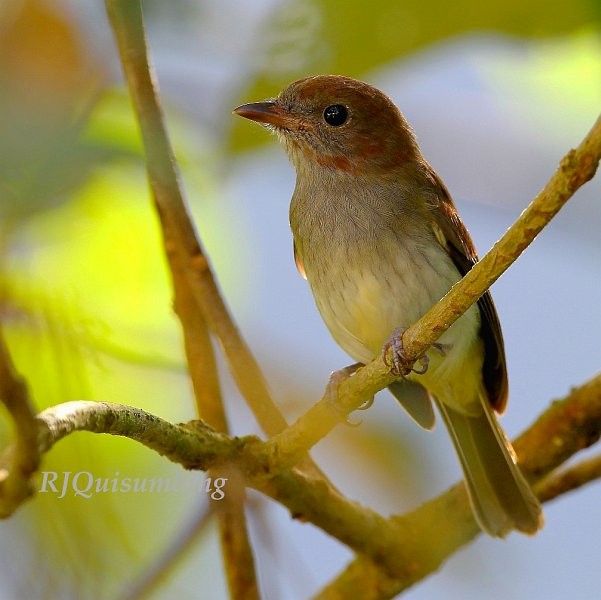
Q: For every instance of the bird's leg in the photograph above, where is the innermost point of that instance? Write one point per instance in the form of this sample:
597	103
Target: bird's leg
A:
398	363
336	378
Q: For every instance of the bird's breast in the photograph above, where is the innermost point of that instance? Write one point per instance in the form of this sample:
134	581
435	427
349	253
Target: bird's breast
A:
374	264
369	274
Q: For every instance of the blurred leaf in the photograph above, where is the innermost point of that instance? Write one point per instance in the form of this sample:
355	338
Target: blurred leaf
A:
307	37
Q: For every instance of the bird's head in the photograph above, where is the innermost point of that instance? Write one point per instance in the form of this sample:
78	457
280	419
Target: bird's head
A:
338	123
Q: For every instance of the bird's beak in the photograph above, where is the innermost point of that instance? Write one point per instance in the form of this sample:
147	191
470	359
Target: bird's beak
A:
268	113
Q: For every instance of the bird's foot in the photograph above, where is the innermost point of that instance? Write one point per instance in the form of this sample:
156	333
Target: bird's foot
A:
396	360
331	393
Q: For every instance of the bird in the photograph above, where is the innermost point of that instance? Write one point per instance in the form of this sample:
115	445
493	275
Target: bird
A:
379	240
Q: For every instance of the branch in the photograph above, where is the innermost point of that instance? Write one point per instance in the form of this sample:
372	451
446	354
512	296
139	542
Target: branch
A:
185	255
194	445
406	548
570	479
438	528
178	231
575	169
24	459
233	530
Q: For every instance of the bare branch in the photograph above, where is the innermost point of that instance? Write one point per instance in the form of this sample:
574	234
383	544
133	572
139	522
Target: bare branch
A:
570	479
575	169
189	268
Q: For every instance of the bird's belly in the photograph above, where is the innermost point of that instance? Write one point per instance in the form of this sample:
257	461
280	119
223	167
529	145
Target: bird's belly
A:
362	305
364	309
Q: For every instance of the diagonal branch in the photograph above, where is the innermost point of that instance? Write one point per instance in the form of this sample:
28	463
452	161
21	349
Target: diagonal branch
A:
569	479
235	542
575	169
181	242
439	527
178	230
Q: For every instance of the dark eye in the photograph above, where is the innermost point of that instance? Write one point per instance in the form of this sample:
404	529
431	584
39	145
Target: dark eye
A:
335	115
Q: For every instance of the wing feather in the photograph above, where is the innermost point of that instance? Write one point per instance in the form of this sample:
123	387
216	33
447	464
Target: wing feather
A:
453	235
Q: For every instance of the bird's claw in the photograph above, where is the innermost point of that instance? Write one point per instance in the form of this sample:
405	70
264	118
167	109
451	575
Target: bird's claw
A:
331	393
395	359
394	354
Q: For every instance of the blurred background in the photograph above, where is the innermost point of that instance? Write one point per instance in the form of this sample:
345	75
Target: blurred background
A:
497	93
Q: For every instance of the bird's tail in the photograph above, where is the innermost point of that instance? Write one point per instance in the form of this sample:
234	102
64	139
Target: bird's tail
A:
501	498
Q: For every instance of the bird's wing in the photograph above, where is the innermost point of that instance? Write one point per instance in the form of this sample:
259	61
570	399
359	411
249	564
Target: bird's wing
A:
454	237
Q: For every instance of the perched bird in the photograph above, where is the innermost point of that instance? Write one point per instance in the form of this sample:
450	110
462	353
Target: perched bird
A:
379	240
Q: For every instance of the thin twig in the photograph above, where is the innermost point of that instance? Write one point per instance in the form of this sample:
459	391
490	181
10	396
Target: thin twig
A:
576	168
15	476
233	529
570	479
197	298
181	243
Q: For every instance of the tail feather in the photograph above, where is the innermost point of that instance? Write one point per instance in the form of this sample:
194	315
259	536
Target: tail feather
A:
501	497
